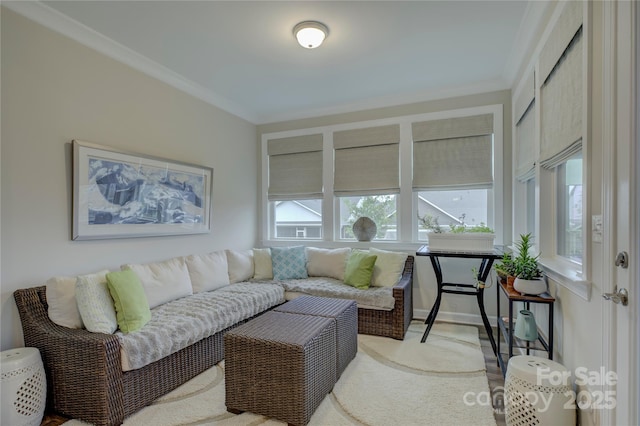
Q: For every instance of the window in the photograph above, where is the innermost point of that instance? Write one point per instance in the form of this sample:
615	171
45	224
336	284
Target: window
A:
453	170
317	182
468	207
379	208
530	211
297	219
570	218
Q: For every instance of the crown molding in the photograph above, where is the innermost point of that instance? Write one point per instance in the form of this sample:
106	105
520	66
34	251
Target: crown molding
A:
61	23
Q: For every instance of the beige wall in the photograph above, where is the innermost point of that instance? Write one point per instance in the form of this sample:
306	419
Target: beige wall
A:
55	90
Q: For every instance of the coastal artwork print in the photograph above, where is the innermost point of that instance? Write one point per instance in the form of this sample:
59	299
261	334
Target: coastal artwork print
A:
122	195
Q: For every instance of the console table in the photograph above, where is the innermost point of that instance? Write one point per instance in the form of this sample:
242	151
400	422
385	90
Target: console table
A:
486	258
506	327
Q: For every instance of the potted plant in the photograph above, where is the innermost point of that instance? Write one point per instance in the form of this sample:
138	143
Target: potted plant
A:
506	269
458	236
529	278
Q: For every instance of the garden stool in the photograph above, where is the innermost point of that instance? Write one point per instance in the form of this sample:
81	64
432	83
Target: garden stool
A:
343	312
24	387
536	391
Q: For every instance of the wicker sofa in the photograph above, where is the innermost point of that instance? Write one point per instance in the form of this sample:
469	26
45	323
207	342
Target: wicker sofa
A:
85	376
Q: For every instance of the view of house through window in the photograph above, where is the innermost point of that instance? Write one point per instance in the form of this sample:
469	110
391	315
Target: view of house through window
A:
379	208
467	207
298	219
570	220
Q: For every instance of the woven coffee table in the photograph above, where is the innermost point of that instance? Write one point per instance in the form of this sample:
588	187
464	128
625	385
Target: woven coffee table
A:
344	312
280	365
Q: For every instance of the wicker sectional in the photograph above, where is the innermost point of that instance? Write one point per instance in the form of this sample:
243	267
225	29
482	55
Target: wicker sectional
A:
84	370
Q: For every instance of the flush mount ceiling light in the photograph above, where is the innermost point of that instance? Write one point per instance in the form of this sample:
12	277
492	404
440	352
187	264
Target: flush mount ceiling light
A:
310	34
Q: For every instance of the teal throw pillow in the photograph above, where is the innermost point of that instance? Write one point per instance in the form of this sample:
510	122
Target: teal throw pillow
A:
132	307
289	263
359	269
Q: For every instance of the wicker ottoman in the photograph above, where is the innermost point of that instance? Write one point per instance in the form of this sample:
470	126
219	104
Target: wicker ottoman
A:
280	365
343	312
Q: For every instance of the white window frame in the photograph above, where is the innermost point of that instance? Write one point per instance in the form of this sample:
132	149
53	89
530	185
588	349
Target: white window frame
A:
407	200
575	278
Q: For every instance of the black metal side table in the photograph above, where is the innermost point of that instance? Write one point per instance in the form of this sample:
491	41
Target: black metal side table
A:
487	259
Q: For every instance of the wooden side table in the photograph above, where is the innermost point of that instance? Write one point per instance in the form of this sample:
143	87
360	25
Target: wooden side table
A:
507	328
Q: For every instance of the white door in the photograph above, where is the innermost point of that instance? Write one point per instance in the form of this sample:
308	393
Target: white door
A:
621	19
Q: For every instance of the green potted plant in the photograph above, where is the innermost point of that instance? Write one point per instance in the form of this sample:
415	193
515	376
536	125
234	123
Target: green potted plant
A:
506	269
529	278
457	236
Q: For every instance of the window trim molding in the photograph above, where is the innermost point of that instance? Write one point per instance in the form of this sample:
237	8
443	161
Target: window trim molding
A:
407	223
567	275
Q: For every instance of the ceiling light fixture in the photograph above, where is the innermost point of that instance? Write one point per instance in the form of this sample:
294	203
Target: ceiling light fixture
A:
310	34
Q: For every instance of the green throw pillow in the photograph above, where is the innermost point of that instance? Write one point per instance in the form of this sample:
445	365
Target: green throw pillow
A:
132	307
359	269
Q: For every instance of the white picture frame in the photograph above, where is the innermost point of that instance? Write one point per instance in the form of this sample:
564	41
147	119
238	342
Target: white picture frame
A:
119	194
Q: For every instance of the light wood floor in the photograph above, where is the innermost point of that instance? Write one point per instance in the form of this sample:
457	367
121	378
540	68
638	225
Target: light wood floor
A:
494	374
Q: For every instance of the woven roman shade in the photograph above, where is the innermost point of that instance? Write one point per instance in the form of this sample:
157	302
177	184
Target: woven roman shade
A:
561	107
367	161
524	114
295	168
561	94
453	153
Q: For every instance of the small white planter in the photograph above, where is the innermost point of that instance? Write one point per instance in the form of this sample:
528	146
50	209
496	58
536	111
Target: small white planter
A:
471	241
532	287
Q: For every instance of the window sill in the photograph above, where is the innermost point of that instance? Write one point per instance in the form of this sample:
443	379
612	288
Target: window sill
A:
567	275
382	245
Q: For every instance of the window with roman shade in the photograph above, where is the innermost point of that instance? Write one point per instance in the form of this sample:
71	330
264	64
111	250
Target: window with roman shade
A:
561	92
524	113
295	168
453	153
367	161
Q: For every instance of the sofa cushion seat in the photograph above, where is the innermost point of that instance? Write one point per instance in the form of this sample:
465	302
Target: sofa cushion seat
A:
372	297
183	322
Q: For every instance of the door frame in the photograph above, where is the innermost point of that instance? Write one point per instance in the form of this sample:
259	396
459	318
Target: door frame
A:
620	135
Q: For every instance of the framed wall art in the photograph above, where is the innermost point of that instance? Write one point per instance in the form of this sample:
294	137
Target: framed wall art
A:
120	194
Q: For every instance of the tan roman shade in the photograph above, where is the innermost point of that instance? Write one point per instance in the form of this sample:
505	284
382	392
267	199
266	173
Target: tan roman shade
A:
525	145
562	107
367	161
453	153
295	168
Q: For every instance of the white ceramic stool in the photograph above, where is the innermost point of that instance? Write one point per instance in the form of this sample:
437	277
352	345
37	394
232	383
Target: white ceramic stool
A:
24	387
536	391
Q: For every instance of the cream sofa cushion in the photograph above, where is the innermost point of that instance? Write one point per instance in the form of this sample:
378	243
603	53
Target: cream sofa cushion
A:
262	263
208	271
388	268
163	281
61	298
95	303
327	262
240	265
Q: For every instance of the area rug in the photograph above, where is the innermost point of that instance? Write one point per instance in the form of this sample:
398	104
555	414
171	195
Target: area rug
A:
390	382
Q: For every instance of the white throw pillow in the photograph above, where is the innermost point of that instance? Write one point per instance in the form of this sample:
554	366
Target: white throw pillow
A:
163	281
388	268
208	271
240	265
61	298
95	303
262	264
327	262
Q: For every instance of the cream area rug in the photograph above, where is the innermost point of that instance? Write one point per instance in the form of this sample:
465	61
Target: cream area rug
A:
389	382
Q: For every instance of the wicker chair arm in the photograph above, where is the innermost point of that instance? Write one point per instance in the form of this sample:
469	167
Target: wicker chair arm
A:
77	362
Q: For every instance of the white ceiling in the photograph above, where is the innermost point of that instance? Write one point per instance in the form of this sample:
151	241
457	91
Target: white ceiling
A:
242	56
